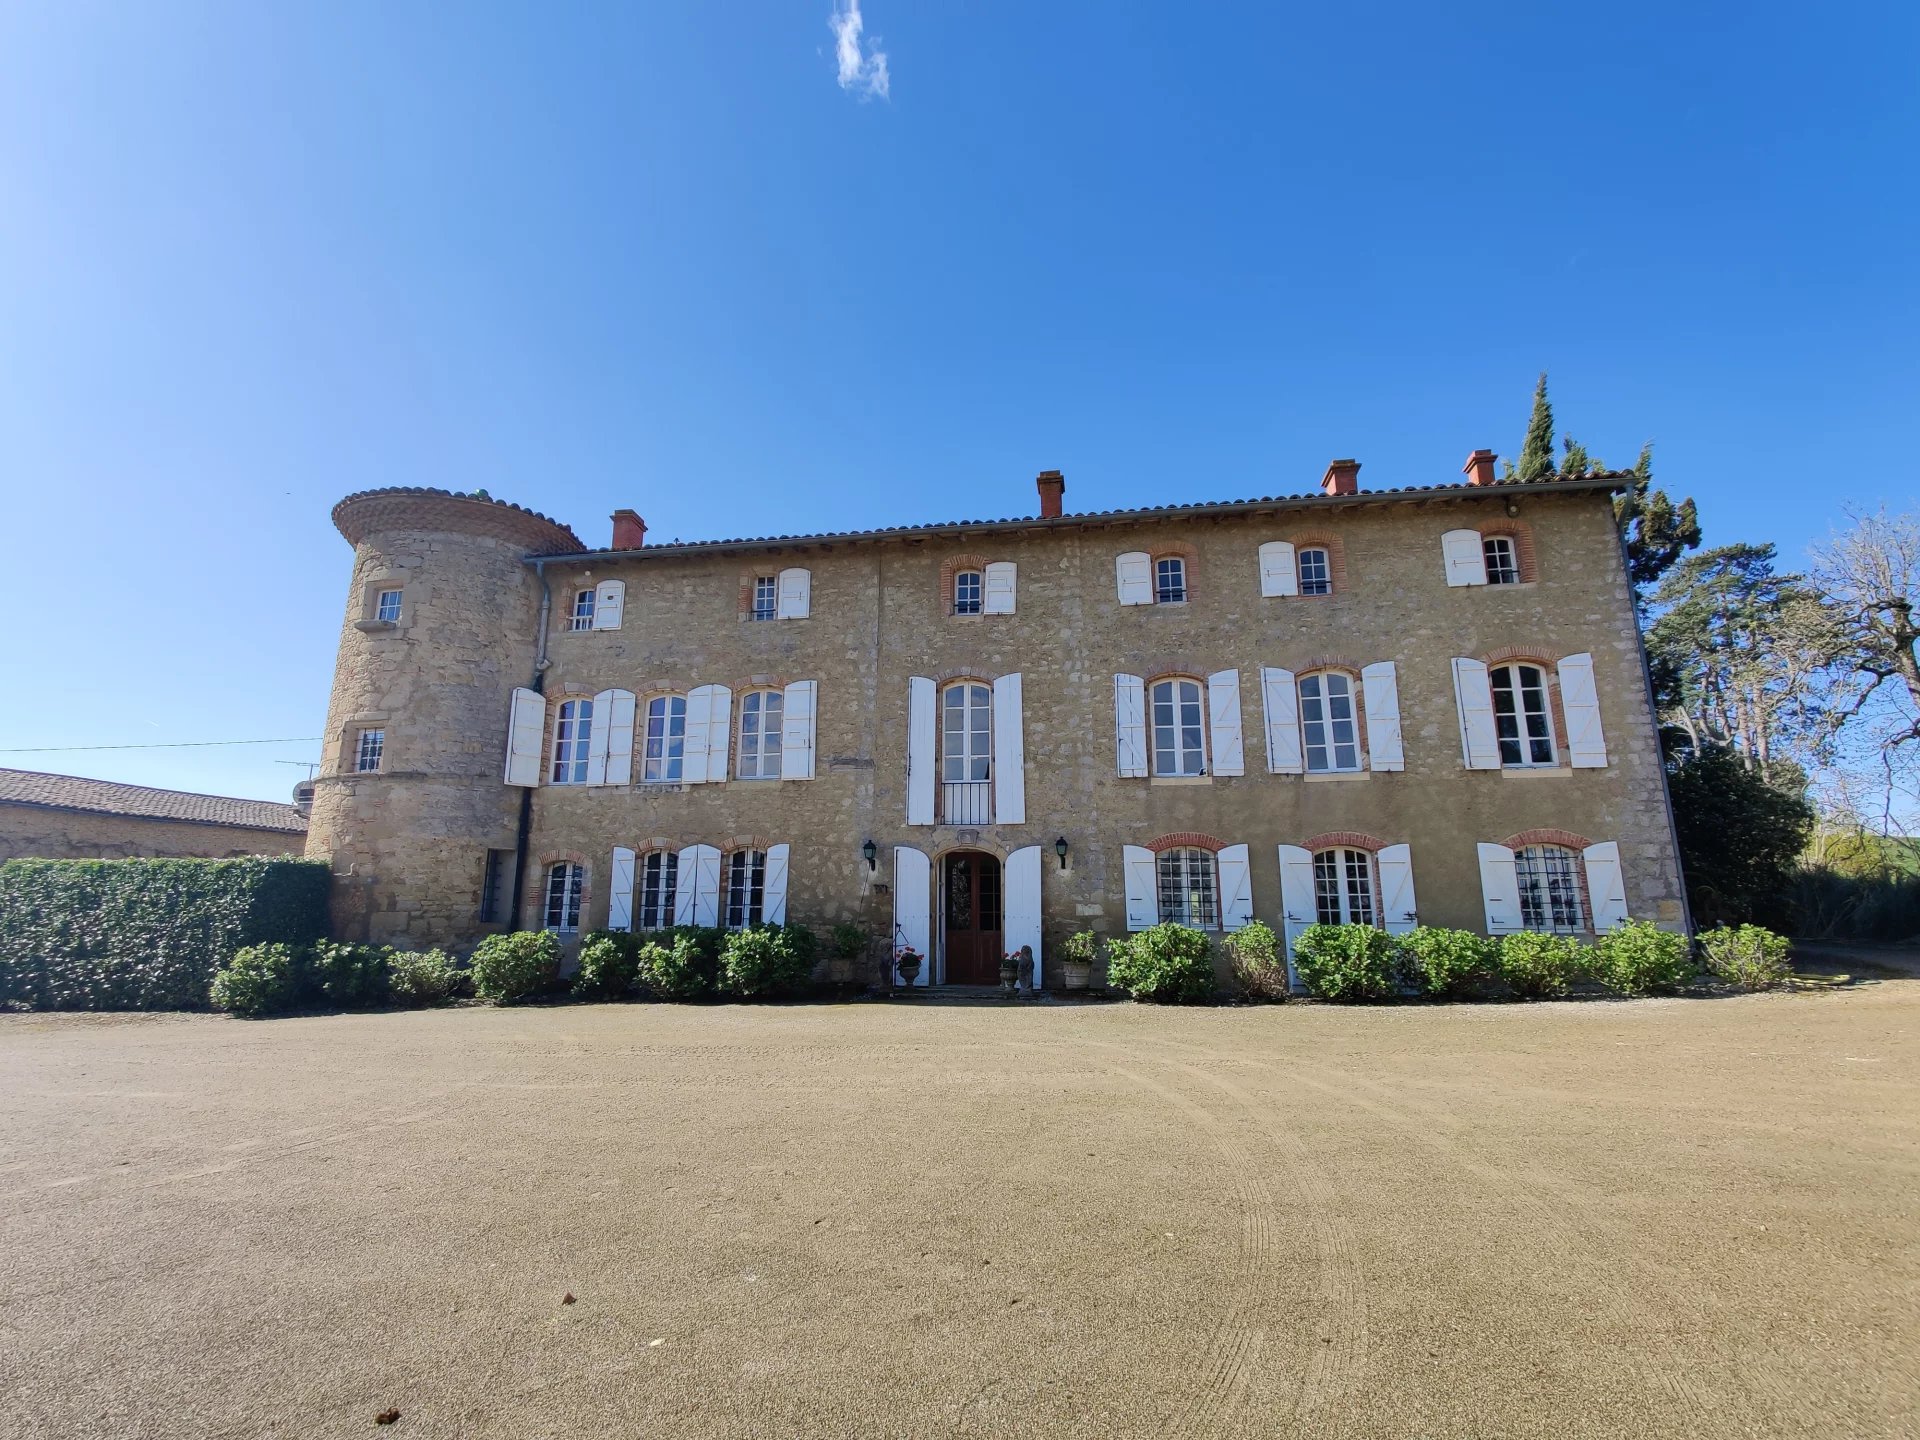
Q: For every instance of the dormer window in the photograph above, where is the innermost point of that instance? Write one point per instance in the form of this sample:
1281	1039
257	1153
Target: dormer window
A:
582	617
1170	581
969	591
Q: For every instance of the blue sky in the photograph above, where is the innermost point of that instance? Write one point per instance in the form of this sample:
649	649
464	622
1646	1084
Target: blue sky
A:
254	257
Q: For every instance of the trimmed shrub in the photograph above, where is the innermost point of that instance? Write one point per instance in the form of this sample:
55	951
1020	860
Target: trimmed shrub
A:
1639	958
421	977
609	965
1539	966
1349	962
1259	968
1450	963
679	966
350	976
1748	956
768	960
145	934
513	966
259	980
1166	965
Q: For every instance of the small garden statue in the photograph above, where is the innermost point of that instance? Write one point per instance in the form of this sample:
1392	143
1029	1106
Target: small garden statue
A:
1011	964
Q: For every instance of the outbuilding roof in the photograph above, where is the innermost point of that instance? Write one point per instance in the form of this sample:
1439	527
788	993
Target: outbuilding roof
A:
109	797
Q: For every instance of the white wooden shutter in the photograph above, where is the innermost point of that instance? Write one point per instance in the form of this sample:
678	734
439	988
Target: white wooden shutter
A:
793	593
597	738
1606	885
620	891
526	733
1143	888
1020	915
999	597
1398	910
1479	740
796	730
1499	889
1009	754
720	735
1278	575
1380	691
920	742
1130	726
1223	711
1297	907
697	896
1465	557
773	891
913	908
609	602
699	736
1236	888
1580	702
617	707
1281	702
1133	574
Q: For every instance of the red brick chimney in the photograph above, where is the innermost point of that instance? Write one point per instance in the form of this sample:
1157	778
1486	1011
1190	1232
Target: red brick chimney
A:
629	531
1342	477
1052	486
1479	468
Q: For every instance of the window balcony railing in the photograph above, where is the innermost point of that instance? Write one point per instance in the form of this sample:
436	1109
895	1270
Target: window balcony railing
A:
967	802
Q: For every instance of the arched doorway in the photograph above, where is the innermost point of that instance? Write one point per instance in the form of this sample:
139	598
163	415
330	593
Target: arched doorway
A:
972	917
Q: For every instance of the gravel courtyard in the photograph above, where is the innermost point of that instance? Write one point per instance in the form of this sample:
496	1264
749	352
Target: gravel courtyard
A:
1671	1217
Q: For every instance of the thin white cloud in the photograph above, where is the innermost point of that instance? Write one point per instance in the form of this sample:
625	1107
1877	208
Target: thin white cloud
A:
863	70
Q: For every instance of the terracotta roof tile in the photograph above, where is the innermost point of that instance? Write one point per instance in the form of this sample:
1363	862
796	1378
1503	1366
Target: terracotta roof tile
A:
108	797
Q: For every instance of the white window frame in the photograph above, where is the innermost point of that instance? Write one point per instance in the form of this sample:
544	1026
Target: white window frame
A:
976	603
1520	717
763	715
370	748
388	613
1502	559
583	608
1179	702
665	759
1346	887
744	902
1166	570
1187	887
657	890
572	742
1548	877
966	753
566	883
1321	583
1328	724
765	604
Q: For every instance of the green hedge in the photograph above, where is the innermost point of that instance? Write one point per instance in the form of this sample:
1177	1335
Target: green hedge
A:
145	934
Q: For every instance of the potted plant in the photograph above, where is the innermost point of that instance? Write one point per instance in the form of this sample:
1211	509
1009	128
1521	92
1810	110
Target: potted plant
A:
907	961
1076	966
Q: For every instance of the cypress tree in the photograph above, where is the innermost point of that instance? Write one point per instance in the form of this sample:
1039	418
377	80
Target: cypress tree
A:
1536	454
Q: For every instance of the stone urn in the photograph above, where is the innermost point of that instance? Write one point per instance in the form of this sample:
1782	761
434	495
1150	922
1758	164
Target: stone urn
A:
1077	974
907	962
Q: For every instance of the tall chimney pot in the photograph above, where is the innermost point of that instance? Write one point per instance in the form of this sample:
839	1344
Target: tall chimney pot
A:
629	531
1342	477
1052	486
1479	468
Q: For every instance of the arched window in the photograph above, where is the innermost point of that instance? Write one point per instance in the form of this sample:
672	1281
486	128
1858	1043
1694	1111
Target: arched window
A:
1502	560
1550	897
1521	720
1189	887
572	733
659	888
761	712
582	617
1179	727
1328	727
564	884
1343	888
746	888
1316	570
966	753
969	592
666	737
1170	580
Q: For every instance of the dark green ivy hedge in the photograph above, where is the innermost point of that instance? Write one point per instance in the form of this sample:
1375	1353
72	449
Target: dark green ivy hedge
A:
145	934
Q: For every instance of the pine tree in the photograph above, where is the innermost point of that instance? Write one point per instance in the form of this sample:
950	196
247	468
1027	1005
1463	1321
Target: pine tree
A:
1536	454
1658	531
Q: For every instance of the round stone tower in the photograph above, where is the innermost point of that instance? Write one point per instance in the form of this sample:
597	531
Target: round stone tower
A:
442	623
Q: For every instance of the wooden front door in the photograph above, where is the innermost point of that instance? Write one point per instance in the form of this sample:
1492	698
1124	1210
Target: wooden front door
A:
972	928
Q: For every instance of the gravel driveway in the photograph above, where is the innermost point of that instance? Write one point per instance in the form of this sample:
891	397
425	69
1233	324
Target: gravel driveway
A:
1661	1217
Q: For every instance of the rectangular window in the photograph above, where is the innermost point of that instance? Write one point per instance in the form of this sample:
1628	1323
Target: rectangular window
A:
761	713
366	759
1503	567
1188	895
1170	582
572	733
1343	887
1316	576
1326	721
387	607
666	738
493	881
582	617
746	887
564	883
967	590
1520	715
1178	728
1549	889
659	882
766	598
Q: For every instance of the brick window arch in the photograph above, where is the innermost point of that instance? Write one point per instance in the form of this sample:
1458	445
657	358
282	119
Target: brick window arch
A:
1192	839
1324	543
951	569
1172	551
1517	559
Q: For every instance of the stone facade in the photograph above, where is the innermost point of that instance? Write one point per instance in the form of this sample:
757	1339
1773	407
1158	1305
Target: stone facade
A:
409	844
